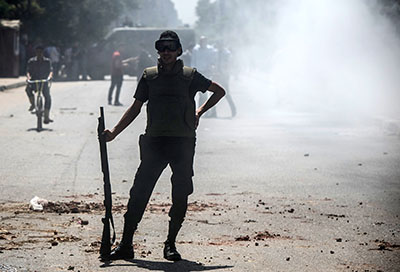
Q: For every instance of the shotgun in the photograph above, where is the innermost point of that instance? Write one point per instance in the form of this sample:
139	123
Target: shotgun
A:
106	241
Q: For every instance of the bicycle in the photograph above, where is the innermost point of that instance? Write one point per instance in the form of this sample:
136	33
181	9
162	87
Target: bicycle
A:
39	105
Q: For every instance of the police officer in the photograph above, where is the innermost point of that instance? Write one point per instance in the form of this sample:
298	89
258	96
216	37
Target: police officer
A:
39	67
169	90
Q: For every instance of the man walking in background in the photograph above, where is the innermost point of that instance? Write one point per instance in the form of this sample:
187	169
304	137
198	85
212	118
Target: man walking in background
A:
169	90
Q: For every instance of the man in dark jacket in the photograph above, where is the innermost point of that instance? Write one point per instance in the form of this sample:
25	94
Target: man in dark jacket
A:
38	68
169	90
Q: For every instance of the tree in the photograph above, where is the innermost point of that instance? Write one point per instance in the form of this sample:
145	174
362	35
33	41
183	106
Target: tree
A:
65	21
19	9
206	12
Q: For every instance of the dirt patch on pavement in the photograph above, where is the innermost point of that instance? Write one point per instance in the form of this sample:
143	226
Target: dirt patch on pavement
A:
66	207
193	206
13	243
227	240
79	207
260	236
61	207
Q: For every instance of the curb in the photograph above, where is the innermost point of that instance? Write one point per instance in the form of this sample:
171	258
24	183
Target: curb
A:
12	86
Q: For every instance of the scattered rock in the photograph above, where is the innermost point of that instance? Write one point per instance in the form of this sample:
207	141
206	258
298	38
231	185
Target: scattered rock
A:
306	155
383	245
331	215
83	222
265	235
75	210
214	194
288	259
243	238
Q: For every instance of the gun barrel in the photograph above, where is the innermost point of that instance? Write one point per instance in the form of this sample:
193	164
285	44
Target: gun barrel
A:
106	241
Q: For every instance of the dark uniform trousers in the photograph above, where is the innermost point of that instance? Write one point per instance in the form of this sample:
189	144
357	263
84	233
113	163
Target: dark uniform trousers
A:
155	154
116	81
30	88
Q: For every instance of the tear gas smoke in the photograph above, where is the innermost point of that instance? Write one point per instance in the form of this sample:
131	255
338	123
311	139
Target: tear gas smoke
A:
340	58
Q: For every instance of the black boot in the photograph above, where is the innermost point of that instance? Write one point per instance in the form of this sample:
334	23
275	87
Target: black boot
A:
125	250
170	252
122	252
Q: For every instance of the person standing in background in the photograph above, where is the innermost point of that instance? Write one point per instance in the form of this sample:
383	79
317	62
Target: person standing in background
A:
204	59
223	72
117	75
75	60
54	55
187	54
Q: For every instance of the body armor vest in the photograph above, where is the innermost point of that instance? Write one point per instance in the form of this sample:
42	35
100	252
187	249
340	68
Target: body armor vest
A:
170	108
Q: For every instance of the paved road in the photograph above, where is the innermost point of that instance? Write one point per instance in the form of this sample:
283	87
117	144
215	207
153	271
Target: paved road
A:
274	191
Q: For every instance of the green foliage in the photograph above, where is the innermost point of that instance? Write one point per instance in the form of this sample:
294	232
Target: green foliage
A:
19	9
221	19
65	21
206	11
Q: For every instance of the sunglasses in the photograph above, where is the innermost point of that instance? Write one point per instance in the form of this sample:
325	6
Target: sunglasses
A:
170	46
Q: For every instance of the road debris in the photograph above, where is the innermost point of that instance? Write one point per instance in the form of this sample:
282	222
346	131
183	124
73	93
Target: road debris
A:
37	203
82	221
383	245
259	236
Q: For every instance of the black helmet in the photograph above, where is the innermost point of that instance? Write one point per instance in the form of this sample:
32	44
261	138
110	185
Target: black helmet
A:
169	35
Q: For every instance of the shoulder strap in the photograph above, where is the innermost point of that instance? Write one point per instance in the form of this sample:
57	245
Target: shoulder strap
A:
188	72
150	73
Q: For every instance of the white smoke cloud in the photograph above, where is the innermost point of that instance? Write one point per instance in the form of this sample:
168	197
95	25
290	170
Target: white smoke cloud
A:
340	57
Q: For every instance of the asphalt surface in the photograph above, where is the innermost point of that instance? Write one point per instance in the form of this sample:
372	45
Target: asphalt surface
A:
274	190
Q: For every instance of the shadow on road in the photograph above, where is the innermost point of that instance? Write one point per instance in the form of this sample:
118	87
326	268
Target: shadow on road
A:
43	129
182	266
